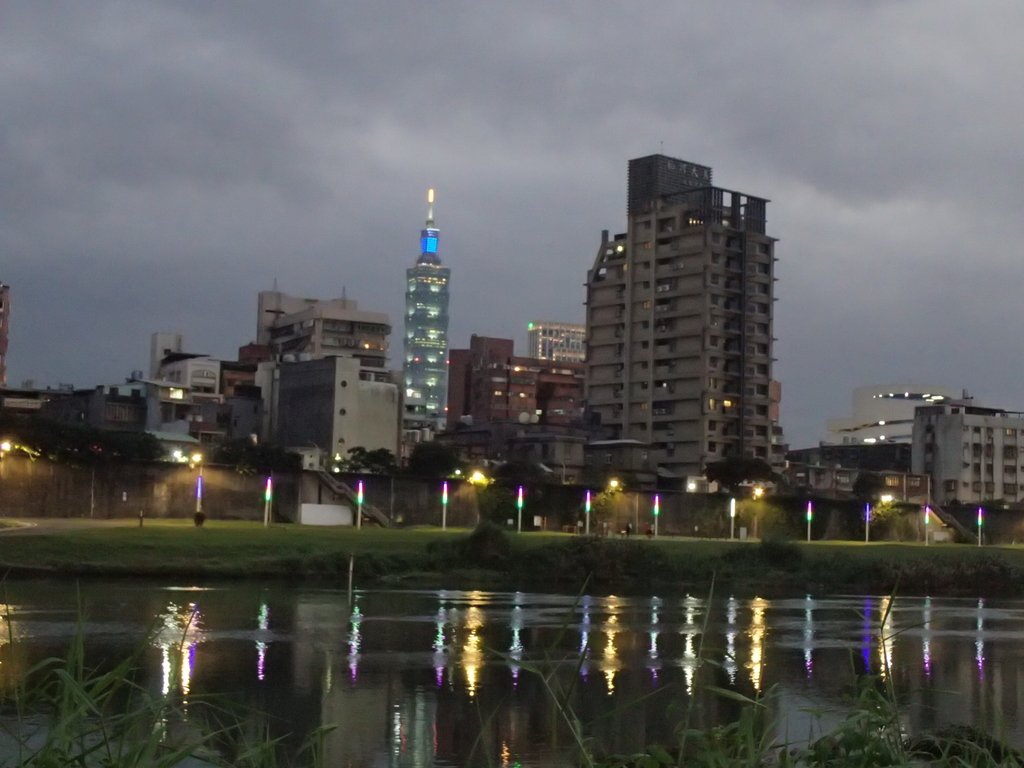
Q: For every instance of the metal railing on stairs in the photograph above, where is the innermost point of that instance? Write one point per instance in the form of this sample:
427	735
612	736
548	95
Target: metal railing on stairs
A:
947	519
345	491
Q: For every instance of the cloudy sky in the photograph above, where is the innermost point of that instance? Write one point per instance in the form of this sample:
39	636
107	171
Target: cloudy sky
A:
161	162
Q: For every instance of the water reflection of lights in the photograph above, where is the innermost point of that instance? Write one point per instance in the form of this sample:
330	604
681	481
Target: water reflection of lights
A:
866	618
886	637
610	662
689	660
515	650
652	650
756	633
926	637
585	627
979	643
261	645
440	659
808	636
472	654
179	632
729	662
355	641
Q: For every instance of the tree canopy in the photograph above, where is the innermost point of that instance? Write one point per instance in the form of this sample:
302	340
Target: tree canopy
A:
734	471
433	460
379	461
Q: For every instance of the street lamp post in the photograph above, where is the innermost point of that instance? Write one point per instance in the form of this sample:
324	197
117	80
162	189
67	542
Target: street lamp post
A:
586	508
197	460
519	510
867	522
444	506
927	522
657	513
810	517
981	515
268	497
732	519
360	496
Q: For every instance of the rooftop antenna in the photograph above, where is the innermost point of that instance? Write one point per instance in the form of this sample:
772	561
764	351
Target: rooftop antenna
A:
430	207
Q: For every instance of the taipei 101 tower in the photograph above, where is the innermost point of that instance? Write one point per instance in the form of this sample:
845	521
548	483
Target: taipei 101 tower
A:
426	333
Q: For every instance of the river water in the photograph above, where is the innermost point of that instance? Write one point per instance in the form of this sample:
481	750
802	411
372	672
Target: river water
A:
446	678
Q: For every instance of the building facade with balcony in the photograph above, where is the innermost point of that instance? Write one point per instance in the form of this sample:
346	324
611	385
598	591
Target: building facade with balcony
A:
679	320
972	454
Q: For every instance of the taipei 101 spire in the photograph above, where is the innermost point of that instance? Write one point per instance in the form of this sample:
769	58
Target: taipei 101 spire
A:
426	332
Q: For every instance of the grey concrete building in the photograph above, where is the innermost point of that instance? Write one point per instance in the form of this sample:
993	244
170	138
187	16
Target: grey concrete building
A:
679	320
296	328
971	454
333	404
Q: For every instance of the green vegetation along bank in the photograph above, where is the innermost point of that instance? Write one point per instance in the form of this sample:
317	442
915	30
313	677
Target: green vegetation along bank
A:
491	558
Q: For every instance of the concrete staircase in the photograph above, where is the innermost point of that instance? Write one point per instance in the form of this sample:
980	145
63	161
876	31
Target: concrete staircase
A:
947	519
345	491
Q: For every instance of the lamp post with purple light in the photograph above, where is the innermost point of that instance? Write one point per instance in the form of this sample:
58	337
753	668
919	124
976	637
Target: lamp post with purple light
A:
981	517
359	504
810	517
197	461
867	522
586	508
657	512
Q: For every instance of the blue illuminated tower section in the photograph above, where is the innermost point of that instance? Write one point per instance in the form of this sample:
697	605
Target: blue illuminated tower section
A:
426	332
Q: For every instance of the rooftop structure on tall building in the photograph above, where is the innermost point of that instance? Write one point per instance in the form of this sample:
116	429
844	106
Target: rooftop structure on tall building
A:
296	329
5	322
884	413
562	342
426	332
679	320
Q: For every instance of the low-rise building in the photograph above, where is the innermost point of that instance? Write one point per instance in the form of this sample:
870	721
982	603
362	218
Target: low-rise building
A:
333	404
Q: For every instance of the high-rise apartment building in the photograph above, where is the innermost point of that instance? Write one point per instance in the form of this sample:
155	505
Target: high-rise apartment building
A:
562	342
426	332
5	320
679	319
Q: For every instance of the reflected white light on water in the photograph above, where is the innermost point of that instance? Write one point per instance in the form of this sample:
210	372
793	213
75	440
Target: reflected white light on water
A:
808	637
729	662
689	660
926	637
653	663
179	632
756	633
263	623
438	646
355	641
886	637
979	643
515	650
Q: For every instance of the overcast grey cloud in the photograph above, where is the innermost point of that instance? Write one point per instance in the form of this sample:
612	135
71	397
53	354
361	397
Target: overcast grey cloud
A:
161	162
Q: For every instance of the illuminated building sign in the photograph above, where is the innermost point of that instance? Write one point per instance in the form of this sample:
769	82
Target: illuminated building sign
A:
428	241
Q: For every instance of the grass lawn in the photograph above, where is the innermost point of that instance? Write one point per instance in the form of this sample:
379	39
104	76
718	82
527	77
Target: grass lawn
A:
552	560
